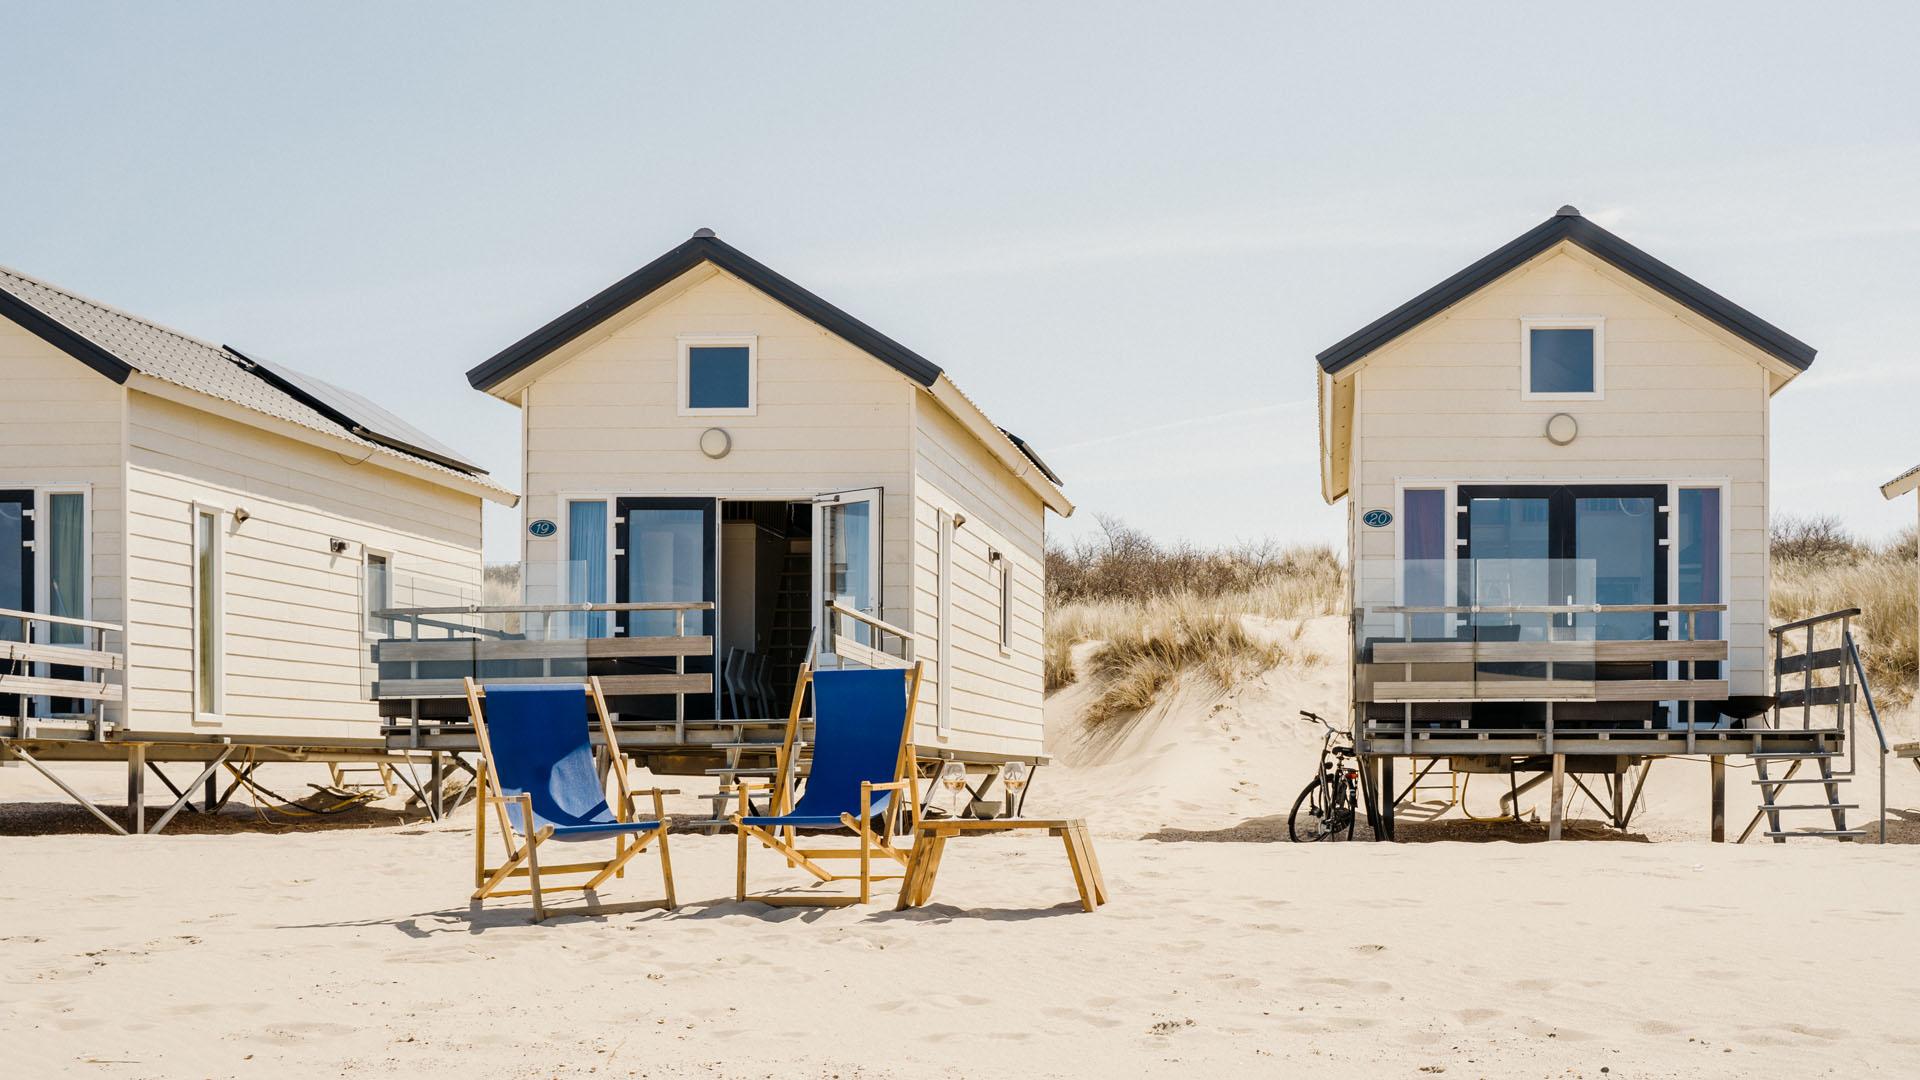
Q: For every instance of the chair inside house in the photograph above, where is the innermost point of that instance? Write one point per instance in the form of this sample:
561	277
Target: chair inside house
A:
545	786
862	775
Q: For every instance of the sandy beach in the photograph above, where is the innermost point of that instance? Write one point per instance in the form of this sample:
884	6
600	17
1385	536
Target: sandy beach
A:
351	950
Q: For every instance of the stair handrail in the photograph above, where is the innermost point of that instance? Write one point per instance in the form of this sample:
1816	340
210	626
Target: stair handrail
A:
1879	731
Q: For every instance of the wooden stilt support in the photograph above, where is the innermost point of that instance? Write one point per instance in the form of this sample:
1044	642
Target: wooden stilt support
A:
1556	815
1718	768
1386	794
137	787
1618	783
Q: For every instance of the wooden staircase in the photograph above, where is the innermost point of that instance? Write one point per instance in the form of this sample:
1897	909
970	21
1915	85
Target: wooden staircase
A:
1831	680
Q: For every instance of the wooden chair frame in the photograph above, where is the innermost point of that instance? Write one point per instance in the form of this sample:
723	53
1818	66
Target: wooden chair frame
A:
523	849
906	788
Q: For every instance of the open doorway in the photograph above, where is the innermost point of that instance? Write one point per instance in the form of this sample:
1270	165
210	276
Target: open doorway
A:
766	608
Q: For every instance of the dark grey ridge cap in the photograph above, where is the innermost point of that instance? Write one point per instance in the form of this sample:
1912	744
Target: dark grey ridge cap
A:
1024	447
370	421
1568	224
60	336
702	246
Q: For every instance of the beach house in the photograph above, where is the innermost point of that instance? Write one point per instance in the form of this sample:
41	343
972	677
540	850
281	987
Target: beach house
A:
1555	464
193	541
758	470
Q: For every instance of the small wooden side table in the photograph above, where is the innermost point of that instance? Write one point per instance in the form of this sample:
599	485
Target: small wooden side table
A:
930	843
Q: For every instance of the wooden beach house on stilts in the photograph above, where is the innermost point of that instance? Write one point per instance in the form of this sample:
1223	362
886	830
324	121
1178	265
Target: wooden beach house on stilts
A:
1556	469
192	543
728	476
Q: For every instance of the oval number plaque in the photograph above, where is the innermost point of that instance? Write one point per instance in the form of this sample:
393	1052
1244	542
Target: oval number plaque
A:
542	527
1377	519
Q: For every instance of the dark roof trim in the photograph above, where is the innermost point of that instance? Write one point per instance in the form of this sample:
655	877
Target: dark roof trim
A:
703	246
1569	225
1021	445
55	333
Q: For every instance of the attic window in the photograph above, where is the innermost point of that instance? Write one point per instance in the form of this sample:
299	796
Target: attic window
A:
1561	358
718	375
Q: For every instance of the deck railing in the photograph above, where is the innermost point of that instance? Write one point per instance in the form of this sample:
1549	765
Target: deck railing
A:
86	671
432	650
1387	662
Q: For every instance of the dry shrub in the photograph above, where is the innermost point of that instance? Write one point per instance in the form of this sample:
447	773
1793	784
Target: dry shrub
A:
1877	580
1125	564
1818	538
1157	611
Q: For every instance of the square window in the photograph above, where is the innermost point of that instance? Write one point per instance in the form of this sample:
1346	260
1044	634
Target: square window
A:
719	377
1561	358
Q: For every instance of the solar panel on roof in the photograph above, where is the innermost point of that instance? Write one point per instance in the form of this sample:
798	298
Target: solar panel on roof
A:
358	414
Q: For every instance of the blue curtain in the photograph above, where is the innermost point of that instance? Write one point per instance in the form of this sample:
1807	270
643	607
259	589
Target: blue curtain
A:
587	564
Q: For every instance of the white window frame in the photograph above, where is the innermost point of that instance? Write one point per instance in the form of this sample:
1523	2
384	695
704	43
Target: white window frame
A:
689	342
43	561
367	629
1001	568
1595	323
564	535
217	669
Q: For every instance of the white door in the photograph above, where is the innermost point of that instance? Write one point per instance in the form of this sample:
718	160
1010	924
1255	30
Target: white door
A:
846	565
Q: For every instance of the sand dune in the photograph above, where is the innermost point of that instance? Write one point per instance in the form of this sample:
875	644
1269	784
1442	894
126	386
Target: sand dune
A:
352	952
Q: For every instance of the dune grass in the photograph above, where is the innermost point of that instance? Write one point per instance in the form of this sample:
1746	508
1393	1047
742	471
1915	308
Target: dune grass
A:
1818	567
1152	611
1155	611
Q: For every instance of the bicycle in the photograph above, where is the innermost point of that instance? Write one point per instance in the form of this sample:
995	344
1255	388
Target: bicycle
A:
1329	805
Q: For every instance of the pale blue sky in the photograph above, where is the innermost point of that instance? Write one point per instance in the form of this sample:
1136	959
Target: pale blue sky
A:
1124	229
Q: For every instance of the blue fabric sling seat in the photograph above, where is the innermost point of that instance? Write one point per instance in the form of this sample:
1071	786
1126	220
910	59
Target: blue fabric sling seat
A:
542	747
860	717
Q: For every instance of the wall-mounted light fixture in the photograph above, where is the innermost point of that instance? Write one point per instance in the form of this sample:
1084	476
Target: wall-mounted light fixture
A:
336	545
241	516
959	520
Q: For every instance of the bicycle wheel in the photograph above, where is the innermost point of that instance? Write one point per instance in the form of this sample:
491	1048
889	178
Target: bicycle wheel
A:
1308	823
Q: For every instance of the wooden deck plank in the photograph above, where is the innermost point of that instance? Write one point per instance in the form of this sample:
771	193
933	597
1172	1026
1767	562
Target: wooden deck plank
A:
1489	652
1549	690
69	655
64	688
469	650
613	685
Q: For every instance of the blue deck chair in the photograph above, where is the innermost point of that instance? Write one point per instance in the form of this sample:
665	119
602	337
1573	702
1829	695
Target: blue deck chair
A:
863	767
542	781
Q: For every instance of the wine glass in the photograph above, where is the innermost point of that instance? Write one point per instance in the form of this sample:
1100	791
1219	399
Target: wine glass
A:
1014	778
953	775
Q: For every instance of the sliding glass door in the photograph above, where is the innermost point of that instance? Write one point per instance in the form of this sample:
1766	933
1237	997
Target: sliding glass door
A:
1581	545
664	550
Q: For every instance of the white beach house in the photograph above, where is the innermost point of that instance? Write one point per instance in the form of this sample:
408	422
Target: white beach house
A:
238	519
707	430
1556	469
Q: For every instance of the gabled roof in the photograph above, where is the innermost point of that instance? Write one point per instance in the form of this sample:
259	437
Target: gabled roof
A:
119	345
1020	459
703	246
1901	484
1569	225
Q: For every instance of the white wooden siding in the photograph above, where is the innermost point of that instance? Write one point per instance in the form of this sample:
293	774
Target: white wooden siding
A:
996	695
830	418
1682	404
296	661
60	426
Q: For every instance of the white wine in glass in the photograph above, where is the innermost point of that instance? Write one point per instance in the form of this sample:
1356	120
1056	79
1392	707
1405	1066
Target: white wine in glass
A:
953	776
1014	779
